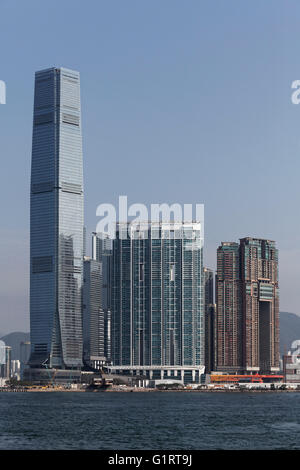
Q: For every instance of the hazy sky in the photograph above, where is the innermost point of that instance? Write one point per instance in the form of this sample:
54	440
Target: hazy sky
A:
182	101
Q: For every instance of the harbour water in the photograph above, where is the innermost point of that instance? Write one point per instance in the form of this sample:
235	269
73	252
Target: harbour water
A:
158	420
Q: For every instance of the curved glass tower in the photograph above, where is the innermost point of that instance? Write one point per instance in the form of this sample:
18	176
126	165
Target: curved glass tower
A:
56	221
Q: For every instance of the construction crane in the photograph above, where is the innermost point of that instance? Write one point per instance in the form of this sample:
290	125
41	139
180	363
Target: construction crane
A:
51	378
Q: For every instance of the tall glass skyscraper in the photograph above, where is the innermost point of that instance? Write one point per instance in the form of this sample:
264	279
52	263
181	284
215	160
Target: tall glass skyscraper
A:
157	301
56	221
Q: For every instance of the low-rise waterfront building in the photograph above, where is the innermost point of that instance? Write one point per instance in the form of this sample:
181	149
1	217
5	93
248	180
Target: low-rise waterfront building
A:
291	368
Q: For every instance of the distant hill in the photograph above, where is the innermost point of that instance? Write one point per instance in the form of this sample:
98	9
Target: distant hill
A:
13	340
289	331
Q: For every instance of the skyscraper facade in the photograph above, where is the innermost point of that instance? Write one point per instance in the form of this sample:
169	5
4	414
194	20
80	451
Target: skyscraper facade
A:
2	359
260	300
56	221
102	252
25	349
93	315
228	356
209	309
157	300
247	295
5	365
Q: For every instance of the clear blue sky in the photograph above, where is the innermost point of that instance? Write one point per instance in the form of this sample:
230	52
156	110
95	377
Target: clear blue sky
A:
182	101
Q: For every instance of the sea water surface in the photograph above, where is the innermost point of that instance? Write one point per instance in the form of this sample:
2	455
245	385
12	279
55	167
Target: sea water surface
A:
149	420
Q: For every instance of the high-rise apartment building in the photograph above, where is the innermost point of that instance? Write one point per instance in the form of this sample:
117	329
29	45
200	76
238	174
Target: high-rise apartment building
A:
15	369
93	315
228	355
157	300
247	316
102	252
209	309
260	300
5	364
2	360
56	221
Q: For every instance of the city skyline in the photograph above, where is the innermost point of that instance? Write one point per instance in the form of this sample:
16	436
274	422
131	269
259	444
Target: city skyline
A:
144	303
145	114
150	238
